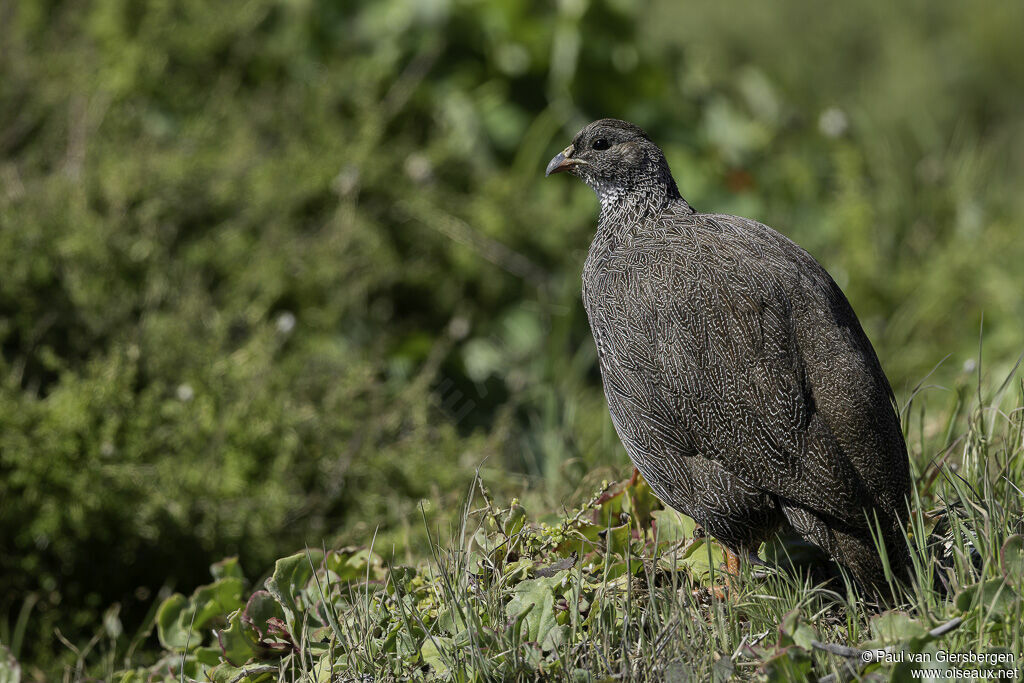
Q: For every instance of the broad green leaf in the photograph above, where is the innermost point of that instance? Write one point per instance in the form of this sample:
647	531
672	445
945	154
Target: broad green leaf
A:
228	567
432	657
537	595
617	540
451	621
786	665
514	520
722	669
1012	559
695	559
794	631
323	671
640	501
514	571
994	597
229	673
402	575
209	656
178	615
291	574
556	637
261	607
224	673
485	541
590	531
672	527
168	623
219	598
896	627
515	627
237	642
406	644
532	653
354	564
611	506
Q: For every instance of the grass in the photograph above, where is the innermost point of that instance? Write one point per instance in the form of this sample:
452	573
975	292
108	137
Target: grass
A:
621	588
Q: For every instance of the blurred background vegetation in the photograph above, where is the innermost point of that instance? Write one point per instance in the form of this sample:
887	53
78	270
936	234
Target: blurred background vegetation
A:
273	272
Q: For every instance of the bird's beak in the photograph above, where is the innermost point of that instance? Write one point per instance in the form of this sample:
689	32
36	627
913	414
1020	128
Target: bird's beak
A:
561	162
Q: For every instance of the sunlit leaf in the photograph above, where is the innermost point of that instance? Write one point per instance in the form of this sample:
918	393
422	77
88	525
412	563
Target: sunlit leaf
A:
237	641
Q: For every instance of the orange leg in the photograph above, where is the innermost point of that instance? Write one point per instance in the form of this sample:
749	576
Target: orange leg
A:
720	593
732	573
732	563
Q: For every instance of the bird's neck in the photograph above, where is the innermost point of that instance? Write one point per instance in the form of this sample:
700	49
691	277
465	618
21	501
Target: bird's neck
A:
627	205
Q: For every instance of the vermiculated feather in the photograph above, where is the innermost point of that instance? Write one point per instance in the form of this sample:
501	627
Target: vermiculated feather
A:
737	375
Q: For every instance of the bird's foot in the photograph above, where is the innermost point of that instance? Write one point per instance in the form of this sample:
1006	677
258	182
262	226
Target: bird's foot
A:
729	591
720	593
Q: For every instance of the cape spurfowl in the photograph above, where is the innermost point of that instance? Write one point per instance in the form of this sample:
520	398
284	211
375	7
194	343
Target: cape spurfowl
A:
737	375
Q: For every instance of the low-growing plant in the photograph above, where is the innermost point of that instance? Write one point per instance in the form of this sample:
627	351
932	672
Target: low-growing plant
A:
623	587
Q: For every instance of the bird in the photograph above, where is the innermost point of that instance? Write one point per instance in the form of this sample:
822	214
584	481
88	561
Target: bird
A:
737	375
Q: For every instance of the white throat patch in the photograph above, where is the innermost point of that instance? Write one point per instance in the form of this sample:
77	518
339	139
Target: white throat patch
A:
609	196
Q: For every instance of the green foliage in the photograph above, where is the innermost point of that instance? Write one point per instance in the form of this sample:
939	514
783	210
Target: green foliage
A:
180	619
624	587
345	609
273	273
617	587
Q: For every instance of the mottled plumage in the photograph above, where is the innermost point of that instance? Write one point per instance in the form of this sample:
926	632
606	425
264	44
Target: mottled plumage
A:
737	374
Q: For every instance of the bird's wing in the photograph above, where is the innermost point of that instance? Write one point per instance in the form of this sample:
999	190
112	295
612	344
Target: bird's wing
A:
705	358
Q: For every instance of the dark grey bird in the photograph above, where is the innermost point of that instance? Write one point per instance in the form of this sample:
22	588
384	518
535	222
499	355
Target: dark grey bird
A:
737	375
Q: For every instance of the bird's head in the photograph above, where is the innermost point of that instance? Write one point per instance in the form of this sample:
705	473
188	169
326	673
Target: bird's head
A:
616	159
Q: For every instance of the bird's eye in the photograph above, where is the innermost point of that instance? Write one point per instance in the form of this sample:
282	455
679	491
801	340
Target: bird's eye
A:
600	143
